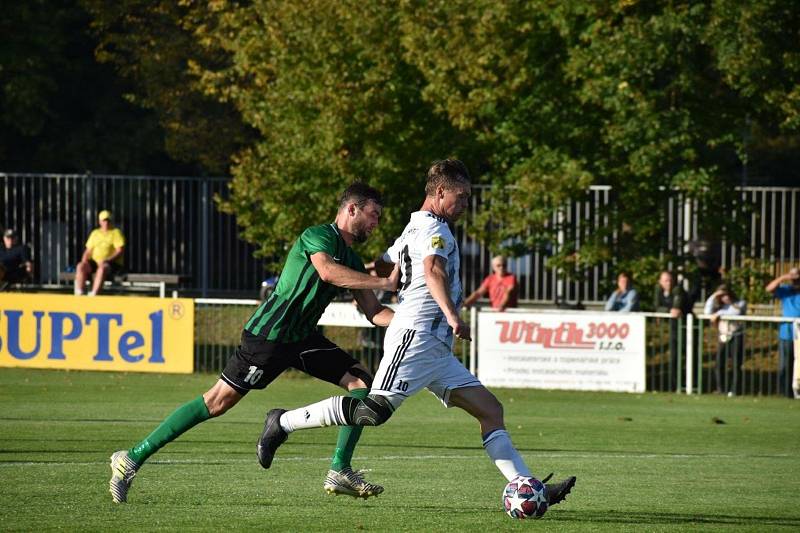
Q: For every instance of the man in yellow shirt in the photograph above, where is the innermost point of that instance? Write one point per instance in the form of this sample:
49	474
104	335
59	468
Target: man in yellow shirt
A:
103	255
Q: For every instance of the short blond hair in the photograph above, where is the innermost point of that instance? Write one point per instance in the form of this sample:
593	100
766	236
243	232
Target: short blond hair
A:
447	173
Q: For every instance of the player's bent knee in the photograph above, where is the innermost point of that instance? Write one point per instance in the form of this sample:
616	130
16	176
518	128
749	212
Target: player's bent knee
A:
492	411
373	410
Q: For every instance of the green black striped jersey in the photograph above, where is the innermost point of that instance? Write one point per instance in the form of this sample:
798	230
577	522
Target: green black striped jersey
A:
292	311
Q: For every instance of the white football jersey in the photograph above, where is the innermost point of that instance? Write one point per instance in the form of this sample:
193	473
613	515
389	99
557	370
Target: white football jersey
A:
426	234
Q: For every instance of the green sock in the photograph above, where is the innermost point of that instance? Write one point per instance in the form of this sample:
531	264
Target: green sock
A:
348	437
180	421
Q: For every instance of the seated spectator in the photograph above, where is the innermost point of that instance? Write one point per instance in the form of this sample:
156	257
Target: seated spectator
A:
723	302
15	261
103	255
625	298
786	288
501	285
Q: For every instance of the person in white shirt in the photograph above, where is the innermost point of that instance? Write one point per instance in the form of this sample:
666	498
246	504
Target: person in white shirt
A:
418	345
723	302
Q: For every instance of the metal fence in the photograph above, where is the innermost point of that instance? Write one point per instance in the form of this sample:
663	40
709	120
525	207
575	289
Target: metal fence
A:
173	227
768	219
748	364
698	362
219	322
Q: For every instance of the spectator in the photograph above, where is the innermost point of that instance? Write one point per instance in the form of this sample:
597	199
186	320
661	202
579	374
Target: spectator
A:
15	261
625	298
671	298
723	302
786	288
103	255
501	286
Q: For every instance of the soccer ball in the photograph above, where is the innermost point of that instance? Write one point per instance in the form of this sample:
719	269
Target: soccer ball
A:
524	497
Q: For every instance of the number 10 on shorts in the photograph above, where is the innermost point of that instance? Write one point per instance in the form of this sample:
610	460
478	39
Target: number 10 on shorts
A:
253	375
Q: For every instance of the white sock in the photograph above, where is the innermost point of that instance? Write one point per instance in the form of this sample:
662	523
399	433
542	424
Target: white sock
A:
78	292
92	293
500	450
322	414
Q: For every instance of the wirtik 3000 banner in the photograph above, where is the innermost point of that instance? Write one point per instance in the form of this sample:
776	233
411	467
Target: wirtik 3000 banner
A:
578	351
102	333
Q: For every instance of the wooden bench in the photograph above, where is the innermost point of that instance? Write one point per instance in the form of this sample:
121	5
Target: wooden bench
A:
133	279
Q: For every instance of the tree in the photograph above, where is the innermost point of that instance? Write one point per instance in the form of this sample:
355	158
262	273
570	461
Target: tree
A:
648	97
326	86
540	98
60	110
157	47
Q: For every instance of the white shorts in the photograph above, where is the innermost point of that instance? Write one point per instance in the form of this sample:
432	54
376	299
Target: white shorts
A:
413	360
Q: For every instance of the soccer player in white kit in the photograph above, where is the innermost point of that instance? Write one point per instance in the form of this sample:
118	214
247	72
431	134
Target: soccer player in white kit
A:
418	344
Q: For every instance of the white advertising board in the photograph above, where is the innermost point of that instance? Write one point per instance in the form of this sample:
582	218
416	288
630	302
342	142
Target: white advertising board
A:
344	314
575	351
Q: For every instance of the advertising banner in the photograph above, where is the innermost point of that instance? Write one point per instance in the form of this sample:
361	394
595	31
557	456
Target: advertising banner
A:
576	351
97	333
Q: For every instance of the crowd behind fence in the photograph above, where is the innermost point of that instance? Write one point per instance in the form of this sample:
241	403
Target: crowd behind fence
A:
174	227
219	324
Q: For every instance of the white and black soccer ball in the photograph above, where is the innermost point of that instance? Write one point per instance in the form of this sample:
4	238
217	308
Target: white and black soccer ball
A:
524	497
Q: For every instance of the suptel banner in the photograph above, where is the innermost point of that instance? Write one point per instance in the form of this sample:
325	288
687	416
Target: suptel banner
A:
100	333
575	351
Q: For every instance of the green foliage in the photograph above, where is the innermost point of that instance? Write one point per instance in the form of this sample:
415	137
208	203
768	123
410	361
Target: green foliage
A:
157	47
539	98
60	110
749	280
333	100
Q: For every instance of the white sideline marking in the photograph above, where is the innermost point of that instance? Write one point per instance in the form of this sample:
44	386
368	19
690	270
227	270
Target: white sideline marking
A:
480	455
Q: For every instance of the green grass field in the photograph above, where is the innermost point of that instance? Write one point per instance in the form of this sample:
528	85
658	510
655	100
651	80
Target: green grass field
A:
652	462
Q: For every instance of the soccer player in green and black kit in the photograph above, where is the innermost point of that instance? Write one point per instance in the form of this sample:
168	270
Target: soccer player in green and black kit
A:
282	334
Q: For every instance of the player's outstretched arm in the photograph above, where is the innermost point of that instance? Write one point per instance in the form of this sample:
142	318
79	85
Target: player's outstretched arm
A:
438	283
377	313
332	272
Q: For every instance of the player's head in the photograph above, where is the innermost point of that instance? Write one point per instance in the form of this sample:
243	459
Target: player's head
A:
361	205
448	188
499	264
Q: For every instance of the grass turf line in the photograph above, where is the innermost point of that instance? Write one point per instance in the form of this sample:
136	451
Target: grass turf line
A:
654	462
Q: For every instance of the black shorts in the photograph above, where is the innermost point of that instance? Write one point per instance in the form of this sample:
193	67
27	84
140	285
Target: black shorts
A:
257	361
116	268
16	275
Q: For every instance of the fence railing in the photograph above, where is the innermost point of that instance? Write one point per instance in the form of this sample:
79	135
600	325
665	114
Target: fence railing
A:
219	323
670	349
173	227
748	362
